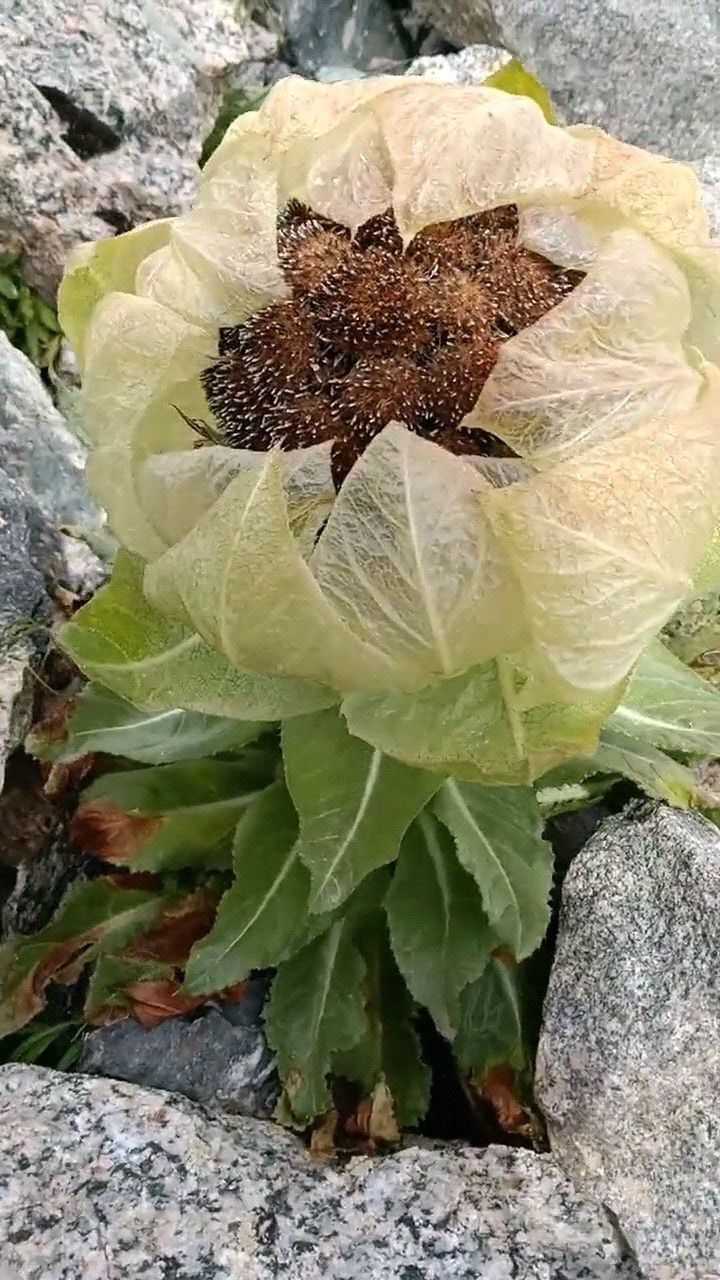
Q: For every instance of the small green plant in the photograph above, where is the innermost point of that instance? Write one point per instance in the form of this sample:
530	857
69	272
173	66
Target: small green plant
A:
28	321
408	433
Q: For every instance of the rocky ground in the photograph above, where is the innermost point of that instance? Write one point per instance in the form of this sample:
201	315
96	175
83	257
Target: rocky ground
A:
104	111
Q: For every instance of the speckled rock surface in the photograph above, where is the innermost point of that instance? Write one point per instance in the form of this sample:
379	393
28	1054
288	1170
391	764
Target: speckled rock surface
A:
323	35
646	71
469	66
461	21
103	110
217	1058
22	600
628	1071
110	1182
37	449
41	488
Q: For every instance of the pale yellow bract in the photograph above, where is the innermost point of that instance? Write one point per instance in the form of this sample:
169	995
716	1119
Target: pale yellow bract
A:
427	566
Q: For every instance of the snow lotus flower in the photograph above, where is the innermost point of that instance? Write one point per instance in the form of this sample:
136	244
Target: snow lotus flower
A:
415	413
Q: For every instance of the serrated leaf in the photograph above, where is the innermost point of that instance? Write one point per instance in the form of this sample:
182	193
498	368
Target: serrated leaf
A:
91	918
354	804
476	726
439	932
513	78
654	772
102	721
316	1010
498	836
120	640
265	911
390	1050
491	1031
167	817
668	706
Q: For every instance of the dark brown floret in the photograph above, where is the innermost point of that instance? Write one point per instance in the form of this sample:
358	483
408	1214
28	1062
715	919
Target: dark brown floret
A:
380	232
377	392
463	307
463	244
374	333
525	285
272	356
455	379
309	254
372	303
301	420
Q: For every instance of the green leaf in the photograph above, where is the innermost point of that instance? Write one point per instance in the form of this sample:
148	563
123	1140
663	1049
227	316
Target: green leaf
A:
111	977
491	1031
8	288
654	772
477	726
101	721
90	919
354	803
668	706
33	341
263	917
390	1050
513	78
33	1045
438	929
167	817
498	835
46	316
316	1010
25	304
120	640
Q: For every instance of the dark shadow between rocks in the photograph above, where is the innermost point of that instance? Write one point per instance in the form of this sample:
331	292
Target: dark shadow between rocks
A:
86	135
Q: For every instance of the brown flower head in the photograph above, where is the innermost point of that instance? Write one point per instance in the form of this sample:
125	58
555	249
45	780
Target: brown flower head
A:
373	333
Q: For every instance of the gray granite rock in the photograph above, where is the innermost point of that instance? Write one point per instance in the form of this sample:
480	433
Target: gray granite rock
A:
111	1182
23	605
461	21
42	489
321	37
646	71
628	1070
36	448
469	66
208	1059
708	171
103	111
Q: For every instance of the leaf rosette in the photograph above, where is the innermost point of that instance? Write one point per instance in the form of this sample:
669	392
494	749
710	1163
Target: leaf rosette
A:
472	562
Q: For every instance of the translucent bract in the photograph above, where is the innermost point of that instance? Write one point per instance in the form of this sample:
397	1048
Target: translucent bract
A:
478	616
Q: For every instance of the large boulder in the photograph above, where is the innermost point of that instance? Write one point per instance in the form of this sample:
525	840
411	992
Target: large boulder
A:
103	113
111	1182
628	1070
646	71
